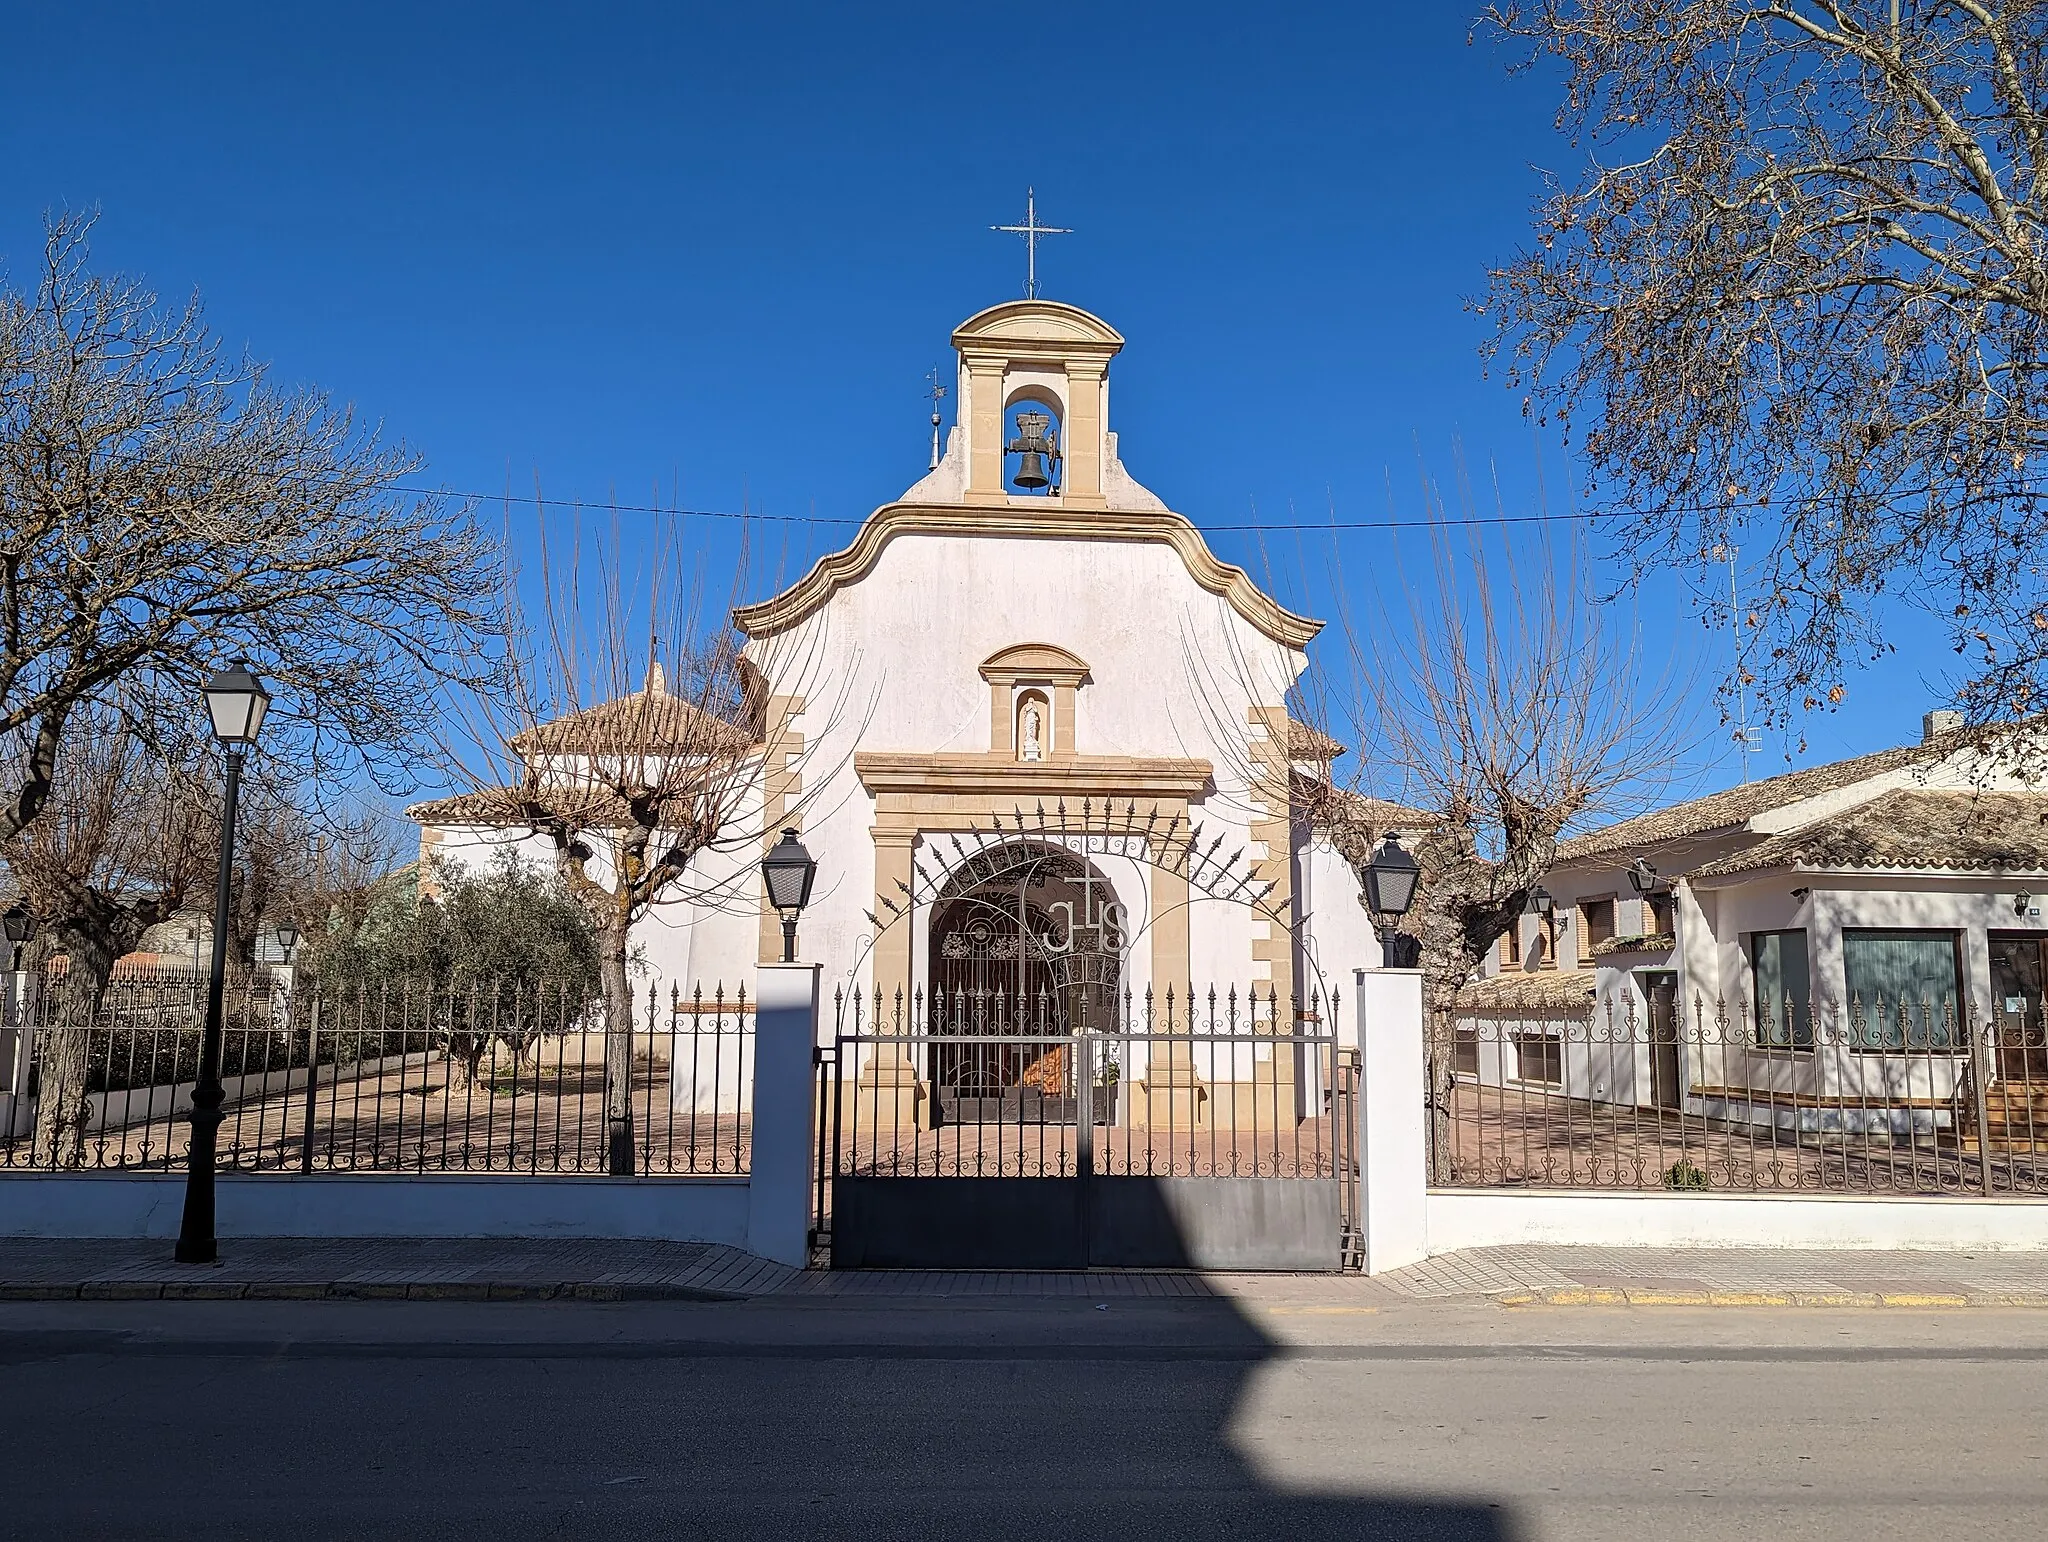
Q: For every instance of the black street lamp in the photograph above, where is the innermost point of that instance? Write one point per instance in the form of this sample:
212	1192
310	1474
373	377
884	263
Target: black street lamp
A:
1540	902
287	939
20	927
790	871
236	701
1390	878
1642	877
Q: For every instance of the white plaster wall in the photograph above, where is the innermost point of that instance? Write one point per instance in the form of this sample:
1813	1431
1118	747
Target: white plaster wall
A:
1336	931
1472	1218
381	1205
891	663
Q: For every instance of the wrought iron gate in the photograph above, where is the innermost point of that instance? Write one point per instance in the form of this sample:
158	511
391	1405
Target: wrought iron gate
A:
977	1131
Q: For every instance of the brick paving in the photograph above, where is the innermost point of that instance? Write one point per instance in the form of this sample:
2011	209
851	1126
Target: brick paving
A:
480	1269
1515	1137
399	1267
1724	1275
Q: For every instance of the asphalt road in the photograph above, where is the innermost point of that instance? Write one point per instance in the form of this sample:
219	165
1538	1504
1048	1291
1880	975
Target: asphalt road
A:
994	1420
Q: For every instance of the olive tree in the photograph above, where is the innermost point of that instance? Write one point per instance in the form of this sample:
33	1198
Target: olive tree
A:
495	955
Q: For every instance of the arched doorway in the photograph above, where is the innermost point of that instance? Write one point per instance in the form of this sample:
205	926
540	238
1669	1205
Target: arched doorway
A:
1026	948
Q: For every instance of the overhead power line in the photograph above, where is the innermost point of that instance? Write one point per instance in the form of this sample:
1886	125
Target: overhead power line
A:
1253	526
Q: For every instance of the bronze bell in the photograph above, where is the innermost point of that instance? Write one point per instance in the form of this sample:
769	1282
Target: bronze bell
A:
1039	451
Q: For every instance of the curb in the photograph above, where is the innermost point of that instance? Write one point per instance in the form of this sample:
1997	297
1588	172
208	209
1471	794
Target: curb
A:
353	1290
1584	1296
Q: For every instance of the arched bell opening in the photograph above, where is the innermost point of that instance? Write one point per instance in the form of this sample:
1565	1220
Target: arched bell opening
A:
1032	458
1026	948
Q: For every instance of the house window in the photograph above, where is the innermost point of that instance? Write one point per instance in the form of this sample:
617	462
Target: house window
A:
1659	915
1511	944
1465	1053
1784	1014
1904	989
1539	1057
1596	925
1546	941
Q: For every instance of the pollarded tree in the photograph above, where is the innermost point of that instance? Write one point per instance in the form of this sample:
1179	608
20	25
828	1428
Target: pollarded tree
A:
1506	712
641	744
1796	301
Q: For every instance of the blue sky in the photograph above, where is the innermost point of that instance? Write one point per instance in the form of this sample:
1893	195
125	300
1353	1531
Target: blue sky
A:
710	252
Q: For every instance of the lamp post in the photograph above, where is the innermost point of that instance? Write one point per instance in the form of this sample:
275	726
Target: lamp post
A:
287	939
1390	879
1642	877
236	701
20	927
789	871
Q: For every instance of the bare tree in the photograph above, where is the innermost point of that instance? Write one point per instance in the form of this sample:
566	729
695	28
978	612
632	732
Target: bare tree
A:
1502	708
120	840
357	851
128	835
1795	302
638	741
164	508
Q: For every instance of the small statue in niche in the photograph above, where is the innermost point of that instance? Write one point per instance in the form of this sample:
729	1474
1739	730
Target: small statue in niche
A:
1034	727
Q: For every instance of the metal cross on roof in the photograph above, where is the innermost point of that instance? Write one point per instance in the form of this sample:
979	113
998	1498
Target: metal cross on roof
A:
1031	230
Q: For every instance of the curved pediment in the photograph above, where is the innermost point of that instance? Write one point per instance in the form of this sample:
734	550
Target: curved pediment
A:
1033	661
1037	323
1029	519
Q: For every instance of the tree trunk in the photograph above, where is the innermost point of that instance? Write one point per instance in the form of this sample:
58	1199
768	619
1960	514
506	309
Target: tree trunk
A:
69	1010
1439	1028
1450	918
618	1051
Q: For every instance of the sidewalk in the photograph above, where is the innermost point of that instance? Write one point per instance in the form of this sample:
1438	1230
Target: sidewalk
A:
423	1269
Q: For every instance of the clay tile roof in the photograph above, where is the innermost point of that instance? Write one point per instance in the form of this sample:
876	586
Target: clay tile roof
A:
648	721
1334	810
488	806
1737	805
1996	832
1531	990
501	808
1305	742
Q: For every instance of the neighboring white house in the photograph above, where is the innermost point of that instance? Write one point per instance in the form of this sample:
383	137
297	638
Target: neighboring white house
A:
997	676
1812	947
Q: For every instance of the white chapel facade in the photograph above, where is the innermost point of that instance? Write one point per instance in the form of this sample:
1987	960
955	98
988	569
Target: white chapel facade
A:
1026	654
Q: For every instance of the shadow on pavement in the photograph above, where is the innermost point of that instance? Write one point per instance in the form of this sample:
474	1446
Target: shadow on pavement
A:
849	1418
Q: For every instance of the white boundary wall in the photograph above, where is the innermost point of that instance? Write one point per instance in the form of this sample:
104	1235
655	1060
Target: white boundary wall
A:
1405	1221
1474	1218
380	1205
767	1212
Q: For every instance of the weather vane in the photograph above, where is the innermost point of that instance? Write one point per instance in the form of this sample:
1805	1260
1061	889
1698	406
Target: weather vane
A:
1031	230
937	393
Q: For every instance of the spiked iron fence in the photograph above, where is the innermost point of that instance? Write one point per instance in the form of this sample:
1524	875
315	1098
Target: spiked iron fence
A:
1883	1097
403	1076
1223	1083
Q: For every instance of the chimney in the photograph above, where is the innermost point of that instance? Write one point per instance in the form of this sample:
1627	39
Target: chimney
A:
1937	723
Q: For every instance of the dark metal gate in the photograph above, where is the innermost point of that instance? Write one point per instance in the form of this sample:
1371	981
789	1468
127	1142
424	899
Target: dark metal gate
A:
970	1133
